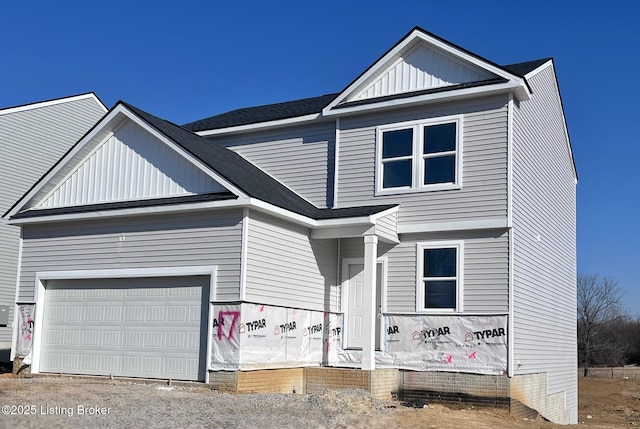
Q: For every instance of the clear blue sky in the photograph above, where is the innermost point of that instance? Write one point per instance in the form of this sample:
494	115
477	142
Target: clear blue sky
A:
187	60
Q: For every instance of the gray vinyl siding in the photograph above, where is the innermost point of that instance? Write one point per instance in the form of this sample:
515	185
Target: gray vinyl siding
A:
544	204
31	141
485	269
387	226
286	267
301	157
484	171
150	241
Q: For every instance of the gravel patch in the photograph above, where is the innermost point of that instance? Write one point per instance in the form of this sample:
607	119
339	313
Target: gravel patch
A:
91	403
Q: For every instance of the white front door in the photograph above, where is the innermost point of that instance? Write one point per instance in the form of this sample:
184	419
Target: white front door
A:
354	305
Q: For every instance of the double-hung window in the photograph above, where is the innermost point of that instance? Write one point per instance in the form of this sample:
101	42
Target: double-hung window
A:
439	276
419	155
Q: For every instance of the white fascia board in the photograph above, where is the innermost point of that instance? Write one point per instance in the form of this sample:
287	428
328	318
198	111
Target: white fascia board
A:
177	148
465	225
260	125
342	232
106	214
451	95
47	103
307	221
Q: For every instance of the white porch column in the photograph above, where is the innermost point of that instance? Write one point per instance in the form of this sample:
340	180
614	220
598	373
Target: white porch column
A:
369	302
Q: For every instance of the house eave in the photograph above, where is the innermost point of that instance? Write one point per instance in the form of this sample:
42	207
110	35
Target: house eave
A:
519	89
260	125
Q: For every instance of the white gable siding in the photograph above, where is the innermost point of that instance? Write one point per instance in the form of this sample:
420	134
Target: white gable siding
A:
485	271
300	157
194	239
387	227
422	67
31	141
131	165
544	227
484	171
286	267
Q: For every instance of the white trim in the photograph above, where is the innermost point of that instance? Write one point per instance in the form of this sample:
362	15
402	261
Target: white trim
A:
510	316
440	244
107	214
259	125
417	156
14	335
461	225
450	95
336	163
243	253
40	294
48	103
510	113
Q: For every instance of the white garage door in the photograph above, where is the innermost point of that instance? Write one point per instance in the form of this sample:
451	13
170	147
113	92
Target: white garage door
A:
141	327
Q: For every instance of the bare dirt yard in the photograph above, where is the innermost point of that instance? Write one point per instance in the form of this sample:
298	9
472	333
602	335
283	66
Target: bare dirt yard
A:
90	402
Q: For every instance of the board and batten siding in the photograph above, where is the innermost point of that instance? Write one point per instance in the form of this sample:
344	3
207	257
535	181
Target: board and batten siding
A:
200	238
130	165
300	157
544	227
484	171
485	276
31	141
285	267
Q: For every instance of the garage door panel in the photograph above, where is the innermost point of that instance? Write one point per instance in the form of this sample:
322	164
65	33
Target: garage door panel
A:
126	327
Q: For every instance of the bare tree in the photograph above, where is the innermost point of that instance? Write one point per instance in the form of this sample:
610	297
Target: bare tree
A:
599	307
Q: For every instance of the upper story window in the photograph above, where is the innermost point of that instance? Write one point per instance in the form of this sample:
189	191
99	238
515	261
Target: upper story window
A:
415	156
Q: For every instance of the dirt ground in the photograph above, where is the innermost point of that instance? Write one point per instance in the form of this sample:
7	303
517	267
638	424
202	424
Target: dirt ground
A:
603	403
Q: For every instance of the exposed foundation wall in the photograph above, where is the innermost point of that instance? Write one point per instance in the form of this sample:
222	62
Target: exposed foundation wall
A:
531	390
455	388
382	384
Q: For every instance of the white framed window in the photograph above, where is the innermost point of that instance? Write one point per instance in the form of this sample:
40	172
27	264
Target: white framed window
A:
439	276
419	156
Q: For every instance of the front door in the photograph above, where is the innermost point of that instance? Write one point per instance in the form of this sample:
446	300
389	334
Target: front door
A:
355	305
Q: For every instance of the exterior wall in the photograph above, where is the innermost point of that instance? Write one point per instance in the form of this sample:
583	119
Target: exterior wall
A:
198	238
485	272
484	172
286	267
381	383
544	228
387	227
33	138
301	157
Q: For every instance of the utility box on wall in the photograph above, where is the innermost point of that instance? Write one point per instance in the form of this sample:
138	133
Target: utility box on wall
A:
4	315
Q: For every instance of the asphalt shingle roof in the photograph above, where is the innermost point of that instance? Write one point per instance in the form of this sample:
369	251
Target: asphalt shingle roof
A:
307	106
269	112
244	175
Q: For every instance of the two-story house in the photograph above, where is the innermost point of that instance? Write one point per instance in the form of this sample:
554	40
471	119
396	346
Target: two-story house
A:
412	234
